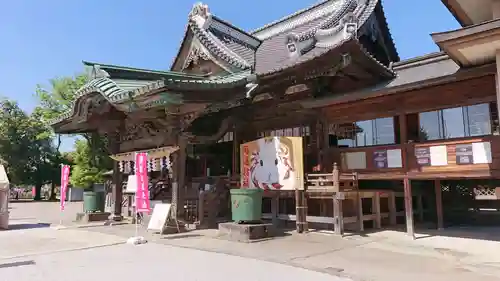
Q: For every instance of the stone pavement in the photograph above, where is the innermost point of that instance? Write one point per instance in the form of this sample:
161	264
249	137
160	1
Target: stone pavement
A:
150	262
381	256
36	252
28	239
386	255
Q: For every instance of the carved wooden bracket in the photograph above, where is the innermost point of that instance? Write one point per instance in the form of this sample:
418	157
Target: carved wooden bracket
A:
225	126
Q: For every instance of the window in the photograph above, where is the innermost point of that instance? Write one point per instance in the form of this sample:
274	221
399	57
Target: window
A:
456	122
366	133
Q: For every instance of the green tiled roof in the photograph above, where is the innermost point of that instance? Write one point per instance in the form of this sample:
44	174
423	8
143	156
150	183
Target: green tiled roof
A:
120	90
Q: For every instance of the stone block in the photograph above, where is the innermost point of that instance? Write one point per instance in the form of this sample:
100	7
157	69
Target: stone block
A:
246	232
92	217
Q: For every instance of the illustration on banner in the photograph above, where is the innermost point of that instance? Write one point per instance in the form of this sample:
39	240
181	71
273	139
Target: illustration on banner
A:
272	163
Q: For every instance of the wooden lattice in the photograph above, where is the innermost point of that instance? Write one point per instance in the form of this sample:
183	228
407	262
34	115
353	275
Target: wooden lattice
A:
485	193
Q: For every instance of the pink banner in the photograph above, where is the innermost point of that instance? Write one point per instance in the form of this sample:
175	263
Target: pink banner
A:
141	174
64	184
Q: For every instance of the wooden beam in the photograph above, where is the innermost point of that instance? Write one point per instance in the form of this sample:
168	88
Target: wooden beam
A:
439	204
410	230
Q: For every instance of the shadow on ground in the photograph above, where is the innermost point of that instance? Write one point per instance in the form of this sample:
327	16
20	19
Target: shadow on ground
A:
181	236
16	264
22	226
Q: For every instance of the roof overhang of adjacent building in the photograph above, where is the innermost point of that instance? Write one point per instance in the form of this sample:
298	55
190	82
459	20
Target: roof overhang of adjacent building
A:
469	12
473	45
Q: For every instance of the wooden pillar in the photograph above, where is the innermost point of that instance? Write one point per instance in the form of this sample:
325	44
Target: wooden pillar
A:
409	207
117	179
420	207
275	208
181	180
236	153
298	212
338	222
359	206
392	209
117	192
497	80
305	227
376	210
439	204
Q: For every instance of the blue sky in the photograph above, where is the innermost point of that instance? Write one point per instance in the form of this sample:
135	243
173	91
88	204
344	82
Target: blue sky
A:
40	40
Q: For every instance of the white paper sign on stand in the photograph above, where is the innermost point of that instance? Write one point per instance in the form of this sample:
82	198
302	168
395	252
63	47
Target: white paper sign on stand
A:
131	184
160	216
4	199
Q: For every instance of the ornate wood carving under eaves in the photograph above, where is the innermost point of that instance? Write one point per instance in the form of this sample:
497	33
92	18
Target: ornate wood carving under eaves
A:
145	129
195	57
93	105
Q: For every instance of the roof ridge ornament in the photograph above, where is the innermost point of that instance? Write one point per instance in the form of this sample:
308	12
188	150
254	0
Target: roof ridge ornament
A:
200	9
96	72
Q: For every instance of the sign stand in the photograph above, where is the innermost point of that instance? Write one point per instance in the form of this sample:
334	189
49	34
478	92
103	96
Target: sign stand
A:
142	203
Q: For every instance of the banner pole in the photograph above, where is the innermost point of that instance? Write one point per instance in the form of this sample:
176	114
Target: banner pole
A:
136	220
61	196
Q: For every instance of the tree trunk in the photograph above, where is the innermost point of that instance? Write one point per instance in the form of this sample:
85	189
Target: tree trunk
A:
38	192
52	192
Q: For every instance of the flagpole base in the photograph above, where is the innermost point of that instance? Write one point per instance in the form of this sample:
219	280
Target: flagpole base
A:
137	240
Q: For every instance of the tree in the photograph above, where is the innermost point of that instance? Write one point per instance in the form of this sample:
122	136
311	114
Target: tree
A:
90	159
26	147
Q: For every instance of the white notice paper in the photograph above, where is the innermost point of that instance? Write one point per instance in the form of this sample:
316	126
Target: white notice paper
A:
131	184
356	160
159	217
394	159
481	152
439	155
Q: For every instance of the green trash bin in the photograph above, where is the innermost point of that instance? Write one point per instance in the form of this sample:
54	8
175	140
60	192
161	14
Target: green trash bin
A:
94	202
246	205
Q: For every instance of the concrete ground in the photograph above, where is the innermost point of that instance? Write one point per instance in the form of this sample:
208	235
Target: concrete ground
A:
33	250
387	255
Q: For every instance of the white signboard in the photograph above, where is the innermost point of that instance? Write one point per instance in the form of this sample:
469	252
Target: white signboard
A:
394	159
481	152
160	216
439	155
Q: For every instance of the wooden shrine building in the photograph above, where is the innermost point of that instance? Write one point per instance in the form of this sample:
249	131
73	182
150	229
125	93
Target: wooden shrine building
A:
426	128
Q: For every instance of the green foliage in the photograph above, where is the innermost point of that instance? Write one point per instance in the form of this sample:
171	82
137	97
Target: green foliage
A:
59	97
26	147
85	171
90	157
